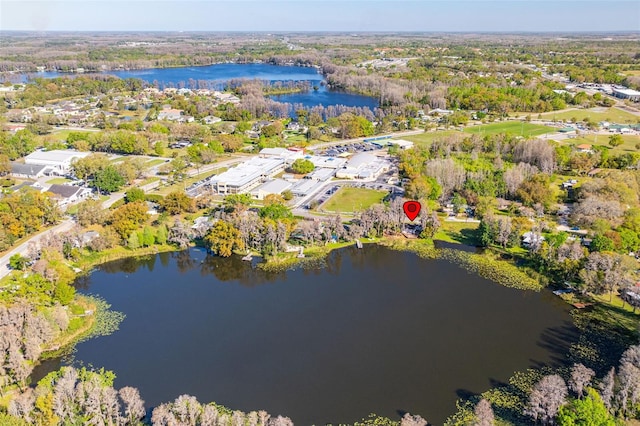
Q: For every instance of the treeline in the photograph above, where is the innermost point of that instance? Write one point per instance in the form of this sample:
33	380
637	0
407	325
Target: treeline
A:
81	396
569	397
41	90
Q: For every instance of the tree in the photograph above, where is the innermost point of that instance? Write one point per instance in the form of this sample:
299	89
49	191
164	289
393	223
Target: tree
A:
580	378
90	212
590	411
133	195
177	202
161	235
108	180
601	243
275	212
127	218
179	234
483	414
133	404
18	262
546	398
223	238
302	166
615	140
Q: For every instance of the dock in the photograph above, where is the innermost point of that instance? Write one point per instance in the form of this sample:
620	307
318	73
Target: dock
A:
359	244
248	257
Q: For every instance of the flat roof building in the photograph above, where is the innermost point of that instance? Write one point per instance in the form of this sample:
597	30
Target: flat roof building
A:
401	143
57	161
275	186
363	166
326	162
630	94
247	175
305	187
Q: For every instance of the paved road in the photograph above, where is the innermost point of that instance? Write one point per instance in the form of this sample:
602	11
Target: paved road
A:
22	249
356	140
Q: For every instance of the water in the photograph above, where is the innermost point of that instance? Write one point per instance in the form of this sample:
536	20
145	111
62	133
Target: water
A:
375	331
218	74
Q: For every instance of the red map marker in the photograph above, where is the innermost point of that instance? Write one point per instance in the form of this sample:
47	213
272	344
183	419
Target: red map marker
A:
411	209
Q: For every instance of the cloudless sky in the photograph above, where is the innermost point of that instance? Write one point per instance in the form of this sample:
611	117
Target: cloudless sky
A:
314	15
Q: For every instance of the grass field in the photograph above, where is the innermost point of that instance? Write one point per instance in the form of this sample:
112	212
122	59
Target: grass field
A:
428	137
58	180
62	135
629	144
154	162
519	128
349	199
612	115
457	232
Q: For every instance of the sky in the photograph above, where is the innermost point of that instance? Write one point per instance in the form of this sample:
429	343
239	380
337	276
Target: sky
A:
314	15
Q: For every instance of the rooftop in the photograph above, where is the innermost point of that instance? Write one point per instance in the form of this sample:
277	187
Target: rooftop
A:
247	171
62	156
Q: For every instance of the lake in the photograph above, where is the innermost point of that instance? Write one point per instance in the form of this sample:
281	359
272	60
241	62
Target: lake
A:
218	74
374	331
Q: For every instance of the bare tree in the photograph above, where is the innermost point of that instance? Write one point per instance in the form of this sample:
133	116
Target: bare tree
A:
580	378
536	152
546	398
22	405
607	388
412	420
133	404
629	386
483	414
449	174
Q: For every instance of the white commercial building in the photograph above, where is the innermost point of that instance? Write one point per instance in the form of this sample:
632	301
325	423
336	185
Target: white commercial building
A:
401	143
363	166
630	94
288	155
305	187
326	162
275	186
57	162
247	175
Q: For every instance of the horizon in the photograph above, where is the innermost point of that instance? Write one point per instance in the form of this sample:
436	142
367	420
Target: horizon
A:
350	16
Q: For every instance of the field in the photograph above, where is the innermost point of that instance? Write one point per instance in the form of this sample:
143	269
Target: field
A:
519	128
62	135
629	144
350	200
428	137
612	115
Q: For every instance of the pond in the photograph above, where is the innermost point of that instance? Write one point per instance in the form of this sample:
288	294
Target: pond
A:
218	74
374	331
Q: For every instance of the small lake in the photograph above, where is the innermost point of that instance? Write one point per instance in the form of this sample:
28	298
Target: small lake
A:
218	74
374	331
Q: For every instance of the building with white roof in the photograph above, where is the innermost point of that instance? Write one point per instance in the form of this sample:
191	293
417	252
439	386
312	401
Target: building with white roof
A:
247	175
363	166
305	187
630	94
322	174
401	143
57	162
288	155
275	186
326	162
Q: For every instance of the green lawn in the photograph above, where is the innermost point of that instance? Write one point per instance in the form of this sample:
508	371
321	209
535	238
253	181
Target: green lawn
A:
428	137
58	181
62	135
629	144
350	200
154	162
457	232
519	128
612	115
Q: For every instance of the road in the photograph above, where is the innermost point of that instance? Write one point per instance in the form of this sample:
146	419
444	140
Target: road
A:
22	249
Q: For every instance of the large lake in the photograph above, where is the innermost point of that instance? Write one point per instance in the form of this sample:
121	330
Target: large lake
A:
216	75
375	331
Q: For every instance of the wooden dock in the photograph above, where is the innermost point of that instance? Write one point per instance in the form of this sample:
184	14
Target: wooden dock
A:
359	244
